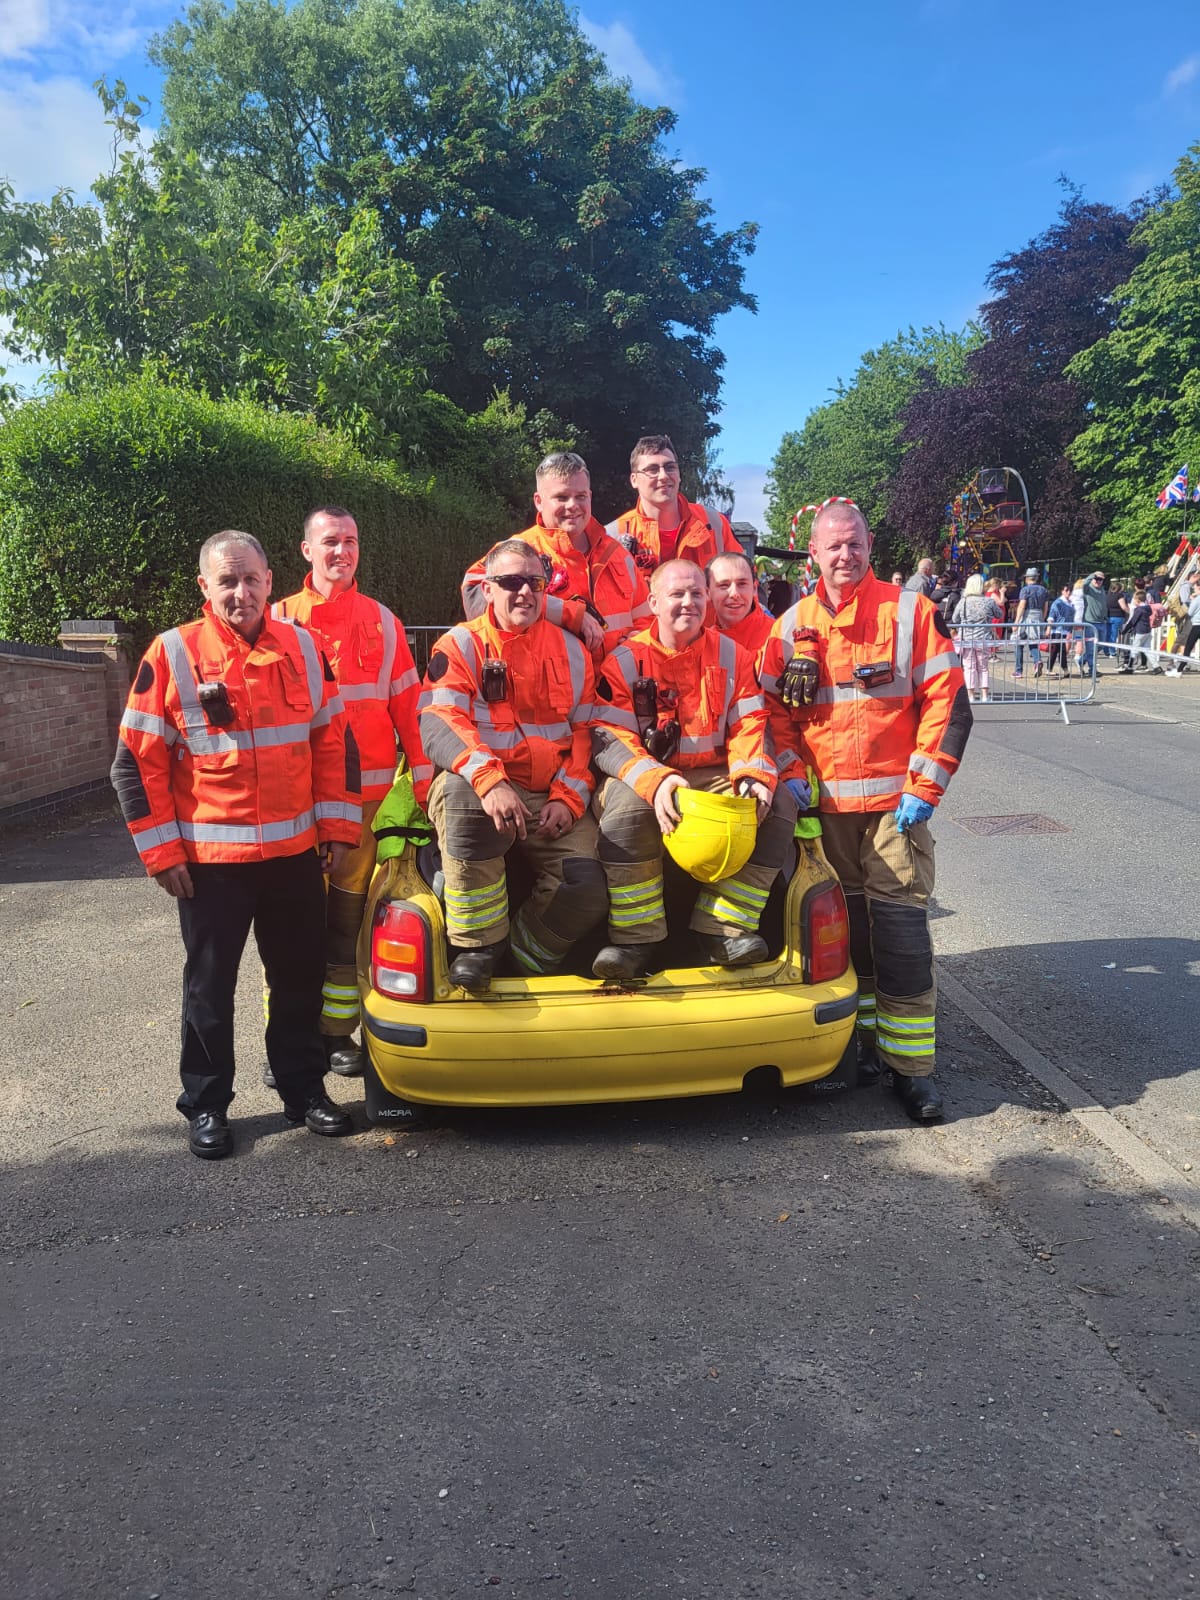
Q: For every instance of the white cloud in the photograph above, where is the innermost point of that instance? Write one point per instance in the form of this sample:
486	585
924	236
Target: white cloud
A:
52	135
88	32
627	59
1179	77
748	482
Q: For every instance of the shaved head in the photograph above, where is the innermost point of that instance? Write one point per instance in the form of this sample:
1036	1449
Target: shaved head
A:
670	570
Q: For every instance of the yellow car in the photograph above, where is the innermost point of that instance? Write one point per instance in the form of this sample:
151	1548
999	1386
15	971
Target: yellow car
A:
575	1040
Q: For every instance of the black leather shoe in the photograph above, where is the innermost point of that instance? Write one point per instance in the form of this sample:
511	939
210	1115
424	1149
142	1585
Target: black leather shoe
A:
209	1135
320	1115
344	1056
870	1068
920	1097
472	969
743	951
621	962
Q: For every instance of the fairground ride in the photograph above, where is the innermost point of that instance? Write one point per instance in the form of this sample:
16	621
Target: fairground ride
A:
987	519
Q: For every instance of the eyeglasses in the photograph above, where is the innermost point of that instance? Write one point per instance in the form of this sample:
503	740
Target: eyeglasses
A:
514	582
671	471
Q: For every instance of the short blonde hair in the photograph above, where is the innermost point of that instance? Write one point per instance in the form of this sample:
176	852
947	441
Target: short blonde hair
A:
974	584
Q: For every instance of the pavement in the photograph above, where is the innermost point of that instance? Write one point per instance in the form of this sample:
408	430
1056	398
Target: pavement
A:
760	1346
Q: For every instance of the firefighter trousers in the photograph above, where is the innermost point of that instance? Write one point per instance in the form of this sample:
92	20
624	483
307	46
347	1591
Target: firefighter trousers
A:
344	906
283	900
568	897
887	877
631	850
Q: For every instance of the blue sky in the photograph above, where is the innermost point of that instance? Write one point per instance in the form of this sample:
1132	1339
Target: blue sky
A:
889	151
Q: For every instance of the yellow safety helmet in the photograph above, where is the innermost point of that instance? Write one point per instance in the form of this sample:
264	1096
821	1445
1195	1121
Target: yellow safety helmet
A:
715	835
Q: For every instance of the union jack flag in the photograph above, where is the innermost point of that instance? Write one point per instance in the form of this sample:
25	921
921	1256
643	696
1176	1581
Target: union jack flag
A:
1176	492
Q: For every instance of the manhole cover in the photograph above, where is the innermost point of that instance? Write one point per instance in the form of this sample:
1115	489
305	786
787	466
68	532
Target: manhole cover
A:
1022	823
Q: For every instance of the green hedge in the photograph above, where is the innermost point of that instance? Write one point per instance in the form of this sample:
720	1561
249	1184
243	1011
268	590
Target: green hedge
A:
105	500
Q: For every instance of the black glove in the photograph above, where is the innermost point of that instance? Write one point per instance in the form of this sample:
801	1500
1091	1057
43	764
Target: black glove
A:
663	743
798	685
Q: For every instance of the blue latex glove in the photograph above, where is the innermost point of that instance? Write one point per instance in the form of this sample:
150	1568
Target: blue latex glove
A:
801	792
911	810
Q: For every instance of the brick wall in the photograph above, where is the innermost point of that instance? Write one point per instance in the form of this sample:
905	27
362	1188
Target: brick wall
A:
59	711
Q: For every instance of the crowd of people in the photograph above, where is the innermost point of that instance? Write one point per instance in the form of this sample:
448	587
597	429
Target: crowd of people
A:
603	677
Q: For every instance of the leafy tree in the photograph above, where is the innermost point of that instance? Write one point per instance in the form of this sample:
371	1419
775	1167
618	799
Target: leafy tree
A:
1143	380
1017	406
853	444
581	268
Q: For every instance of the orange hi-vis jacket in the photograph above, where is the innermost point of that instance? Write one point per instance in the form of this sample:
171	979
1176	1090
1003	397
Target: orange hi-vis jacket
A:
367	648
751	632
871	744
721	712
702	534
277	778
604	573
538	735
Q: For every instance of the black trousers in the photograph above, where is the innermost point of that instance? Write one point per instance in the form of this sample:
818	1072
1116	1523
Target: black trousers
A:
283	900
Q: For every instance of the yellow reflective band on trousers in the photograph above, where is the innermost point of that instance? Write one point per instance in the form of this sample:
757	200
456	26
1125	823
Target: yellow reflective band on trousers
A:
631	904
911	1037
339	1000
534	957
866	1012
469	910
737	903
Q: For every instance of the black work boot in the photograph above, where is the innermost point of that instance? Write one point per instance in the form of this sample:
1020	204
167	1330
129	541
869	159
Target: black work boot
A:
319	1114
472	969
620	962
209	1135
920	1097
742	951
343	1055
870	1068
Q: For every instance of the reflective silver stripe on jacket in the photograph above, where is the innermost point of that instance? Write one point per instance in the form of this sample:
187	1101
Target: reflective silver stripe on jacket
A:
199	738
337	810
150	838
383	684
473	764
640	768
147	722
237	833
577	665
743	708
574	784
379	775
906	611
862	788
407	680
935	664
703	744
929	768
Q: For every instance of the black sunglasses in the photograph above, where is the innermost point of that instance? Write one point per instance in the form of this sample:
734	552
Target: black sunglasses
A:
514	582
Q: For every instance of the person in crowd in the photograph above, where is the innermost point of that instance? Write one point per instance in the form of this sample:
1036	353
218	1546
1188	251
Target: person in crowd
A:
1118	616
922	580
239	781
1032	603
677	707
733	599
662	525
506	712
366	646
947	592
593	586
863	685
1095	616
975	618
1062	618
1190	634
1137	634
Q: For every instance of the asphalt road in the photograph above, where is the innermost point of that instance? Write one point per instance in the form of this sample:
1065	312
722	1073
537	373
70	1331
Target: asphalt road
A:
758	1347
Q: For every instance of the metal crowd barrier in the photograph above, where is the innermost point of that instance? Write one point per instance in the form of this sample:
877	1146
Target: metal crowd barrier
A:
421	642
1031	663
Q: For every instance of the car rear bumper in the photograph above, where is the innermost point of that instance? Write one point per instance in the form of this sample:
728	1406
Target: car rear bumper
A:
692	1032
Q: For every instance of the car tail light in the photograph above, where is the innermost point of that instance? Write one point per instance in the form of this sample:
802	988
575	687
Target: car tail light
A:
401	953
826	935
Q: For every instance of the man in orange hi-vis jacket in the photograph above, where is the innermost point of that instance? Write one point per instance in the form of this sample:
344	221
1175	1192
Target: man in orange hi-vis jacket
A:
238	780
593	586
366	646
863	684
662	525
506	713
733	598
677	706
